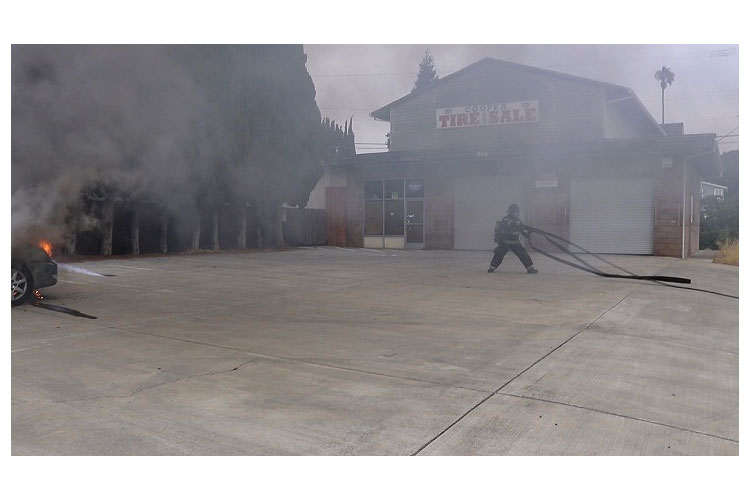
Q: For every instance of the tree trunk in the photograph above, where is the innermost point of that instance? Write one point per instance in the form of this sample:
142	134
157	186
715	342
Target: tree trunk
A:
277	228
242	233
662	105
258	236
135	230
196	241
215	230
269	225
163	232
108	216
70	238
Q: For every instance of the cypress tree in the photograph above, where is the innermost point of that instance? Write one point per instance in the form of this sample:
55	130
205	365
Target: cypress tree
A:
427	72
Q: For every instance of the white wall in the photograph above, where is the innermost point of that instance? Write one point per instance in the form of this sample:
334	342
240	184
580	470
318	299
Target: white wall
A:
317	197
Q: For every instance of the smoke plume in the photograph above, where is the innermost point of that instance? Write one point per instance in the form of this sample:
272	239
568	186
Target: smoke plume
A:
184	126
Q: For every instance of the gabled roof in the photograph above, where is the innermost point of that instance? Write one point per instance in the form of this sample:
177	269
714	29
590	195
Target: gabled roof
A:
384	113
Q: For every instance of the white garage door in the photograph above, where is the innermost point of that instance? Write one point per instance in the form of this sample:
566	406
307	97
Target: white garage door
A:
480	201
612	215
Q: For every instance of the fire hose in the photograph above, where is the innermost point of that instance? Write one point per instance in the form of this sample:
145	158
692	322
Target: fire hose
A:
556	240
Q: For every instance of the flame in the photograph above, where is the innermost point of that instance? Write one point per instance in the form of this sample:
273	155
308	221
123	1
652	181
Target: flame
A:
46	246
38	295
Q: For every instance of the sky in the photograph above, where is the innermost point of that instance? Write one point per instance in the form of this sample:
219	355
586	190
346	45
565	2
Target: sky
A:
354	80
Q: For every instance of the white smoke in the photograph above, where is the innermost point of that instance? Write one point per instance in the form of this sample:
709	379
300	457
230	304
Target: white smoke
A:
78	270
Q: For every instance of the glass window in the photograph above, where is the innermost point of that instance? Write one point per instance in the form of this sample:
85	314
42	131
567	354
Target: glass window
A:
414	188
414	212
373	218
394	217
394	189
373	190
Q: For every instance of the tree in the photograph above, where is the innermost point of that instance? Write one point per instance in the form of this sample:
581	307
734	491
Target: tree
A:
721	217
191	127
721	220
262	139
665	77
283	149
427	73
730	177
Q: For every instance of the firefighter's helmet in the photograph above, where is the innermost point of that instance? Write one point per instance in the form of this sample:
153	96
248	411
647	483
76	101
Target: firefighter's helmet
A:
514	209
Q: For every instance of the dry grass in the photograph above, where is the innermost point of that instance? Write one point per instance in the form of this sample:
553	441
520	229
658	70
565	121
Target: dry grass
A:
728	253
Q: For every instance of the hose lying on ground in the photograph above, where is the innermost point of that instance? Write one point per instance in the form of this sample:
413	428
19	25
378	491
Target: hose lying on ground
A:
587	267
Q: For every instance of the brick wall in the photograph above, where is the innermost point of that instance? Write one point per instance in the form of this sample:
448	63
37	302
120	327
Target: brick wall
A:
670	212
438	224
695	227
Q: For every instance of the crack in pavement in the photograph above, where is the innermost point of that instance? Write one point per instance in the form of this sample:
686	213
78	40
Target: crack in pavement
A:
179	379
672	342
629	417
497	391
303	361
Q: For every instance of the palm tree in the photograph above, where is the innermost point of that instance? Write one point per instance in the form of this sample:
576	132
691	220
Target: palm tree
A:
666	77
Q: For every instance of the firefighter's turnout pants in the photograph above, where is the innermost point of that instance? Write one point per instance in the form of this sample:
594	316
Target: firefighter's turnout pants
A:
518	249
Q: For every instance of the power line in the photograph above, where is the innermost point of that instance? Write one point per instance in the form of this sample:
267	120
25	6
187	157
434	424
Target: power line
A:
724	136
688	97
359	74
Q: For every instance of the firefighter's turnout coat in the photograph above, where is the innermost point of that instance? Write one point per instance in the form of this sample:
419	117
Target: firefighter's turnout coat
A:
508	230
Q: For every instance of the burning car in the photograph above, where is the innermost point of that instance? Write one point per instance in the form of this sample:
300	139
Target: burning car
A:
31	268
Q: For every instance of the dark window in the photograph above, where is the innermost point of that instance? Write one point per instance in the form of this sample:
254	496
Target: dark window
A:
373	190
394	190
373	218
414	212
394	217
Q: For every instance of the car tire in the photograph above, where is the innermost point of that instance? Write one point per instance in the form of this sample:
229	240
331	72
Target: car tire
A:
21	285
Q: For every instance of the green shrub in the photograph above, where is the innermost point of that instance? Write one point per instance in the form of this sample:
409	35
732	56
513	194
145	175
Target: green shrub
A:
721	221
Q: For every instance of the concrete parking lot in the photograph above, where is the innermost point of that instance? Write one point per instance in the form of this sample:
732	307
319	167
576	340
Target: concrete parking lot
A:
333	351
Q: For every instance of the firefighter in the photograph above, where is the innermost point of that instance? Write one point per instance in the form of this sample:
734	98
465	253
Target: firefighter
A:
507	236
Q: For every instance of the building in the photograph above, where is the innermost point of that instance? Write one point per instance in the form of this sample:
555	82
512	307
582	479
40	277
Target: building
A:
710	189
584	159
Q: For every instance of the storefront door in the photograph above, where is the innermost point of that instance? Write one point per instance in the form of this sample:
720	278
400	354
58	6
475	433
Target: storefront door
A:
414	220
394	213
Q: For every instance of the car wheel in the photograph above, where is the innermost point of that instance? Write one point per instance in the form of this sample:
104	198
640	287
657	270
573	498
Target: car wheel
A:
21	285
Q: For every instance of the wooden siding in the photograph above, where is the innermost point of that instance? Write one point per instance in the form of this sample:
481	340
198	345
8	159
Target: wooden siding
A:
569	111
621	121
